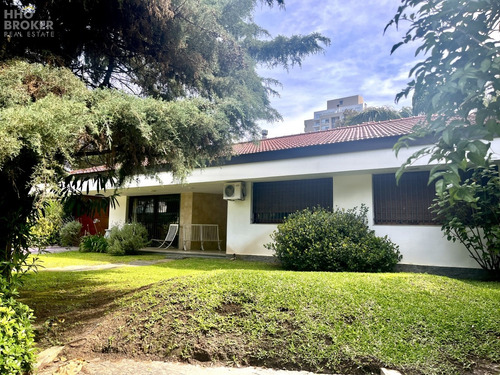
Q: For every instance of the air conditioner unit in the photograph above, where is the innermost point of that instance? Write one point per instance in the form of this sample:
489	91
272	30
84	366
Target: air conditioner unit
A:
234	191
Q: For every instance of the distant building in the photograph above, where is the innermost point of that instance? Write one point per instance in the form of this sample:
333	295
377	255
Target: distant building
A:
329	118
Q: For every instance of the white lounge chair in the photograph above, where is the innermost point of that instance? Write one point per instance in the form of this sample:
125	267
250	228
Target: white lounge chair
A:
170	237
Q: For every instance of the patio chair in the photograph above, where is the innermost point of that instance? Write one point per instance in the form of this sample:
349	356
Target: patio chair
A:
169	238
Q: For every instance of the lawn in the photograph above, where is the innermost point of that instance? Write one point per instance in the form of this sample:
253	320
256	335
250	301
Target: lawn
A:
252	313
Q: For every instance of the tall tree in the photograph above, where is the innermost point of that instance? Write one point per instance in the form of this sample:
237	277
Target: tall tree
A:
192	65
49	121
165	48
458	86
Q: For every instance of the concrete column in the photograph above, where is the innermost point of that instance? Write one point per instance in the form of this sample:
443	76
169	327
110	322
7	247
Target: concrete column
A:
186	217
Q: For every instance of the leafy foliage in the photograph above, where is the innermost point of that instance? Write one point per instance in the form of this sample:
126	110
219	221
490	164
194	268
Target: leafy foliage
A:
167	49
201	56
320	240
373	114
50	120
476	224
16	333
457	84
93	244
50	221
70	233
128	239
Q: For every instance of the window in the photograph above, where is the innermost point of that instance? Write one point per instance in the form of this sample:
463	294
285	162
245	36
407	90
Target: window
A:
274	201
406	203
325	127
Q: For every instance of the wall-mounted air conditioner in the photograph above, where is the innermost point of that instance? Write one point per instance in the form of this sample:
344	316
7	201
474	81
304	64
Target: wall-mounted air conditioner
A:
234	191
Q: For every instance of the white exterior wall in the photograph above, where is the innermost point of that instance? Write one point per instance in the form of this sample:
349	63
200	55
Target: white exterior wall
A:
243	237
425	245
351	191
420	244
352	185
118	215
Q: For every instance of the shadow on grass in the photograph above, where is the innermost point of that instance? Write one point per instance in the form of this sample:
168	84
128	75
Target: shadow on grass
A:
204	264
66	303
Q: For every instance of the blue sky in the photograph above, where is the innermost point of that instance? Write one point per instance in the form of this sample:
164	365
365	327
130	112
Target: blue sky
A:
358	61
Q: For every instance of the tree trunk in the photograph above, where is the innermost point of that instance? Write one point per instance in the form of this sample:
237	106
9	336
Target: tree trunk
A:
16	206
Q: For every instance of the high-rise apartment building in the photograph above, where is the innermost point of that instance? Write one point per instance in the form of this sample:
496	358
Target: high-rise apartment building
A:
329	118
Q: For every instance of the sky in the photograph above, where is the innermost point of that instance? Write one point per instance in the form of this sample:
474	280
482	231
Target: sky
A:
357	62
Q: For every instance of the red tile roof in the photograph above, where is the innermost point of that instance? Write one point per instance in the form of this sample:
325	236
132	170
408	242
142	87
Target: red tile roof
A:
96	169
367	130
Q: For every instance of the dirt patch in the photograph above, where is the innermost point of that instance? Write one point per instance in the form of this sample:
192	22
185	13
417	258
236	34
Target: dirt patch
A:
230	309
486	368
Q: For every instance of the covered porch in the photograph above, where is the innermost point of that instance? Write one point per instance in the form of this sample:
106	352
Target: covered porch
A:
158	206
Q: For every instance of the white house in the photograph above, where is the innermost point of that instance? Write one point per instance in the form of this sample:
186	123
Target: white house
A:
343	167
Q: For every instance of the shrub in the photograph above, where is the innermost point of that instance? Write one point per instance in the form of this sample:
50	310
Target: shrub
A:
93	244
16	334
321	240
50	221
128	239
473	217
70	233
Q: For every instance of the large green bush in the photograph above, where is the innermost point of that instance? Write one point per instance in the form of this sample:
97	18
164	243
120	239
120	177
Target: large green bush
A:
70	233
127	239
16	334
340	240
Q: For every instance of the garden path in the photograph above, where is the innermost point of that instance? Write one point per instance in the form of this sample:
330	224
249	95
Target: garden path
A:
97	267
98	366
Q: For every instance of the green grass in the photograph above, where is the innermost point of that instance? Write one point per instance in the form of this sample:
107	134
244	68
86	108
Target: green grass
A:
336	322
72	258
64	293
253	313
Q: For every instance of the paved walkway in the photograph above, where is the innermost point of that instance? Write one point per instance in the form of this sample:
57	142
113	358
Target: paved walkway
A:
97	267
53	249
98	366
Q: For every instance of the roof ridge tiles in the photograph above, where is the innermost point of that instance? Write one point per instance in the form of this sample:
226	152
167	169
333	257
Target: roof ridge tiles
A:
363	124
363	131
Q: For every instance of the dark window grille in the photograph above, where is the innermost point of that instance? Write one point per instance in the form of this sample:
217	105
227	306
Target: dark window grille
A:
274	201
406	203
